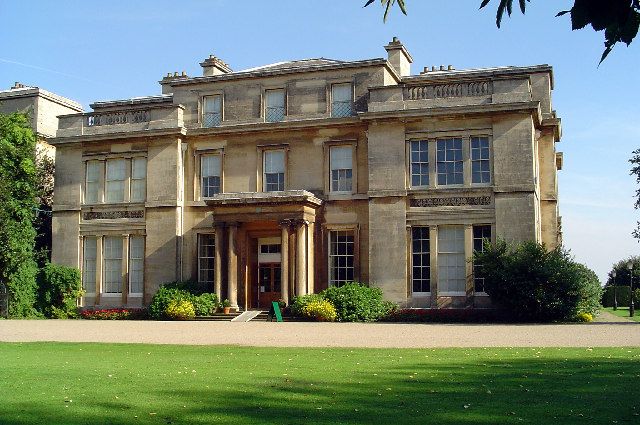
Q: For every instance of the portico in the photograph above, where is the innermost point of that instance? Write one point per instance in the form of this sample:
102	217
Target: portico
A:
266	246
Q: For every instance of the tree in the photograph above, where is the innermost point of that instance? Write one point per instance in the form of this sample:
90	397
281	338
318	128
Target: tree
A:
635	170
45	168
623	277
619	19
17	206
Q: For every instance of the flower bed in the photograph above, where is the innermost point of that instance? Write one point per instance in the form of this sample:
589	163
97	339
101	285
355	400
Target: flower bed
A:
114	314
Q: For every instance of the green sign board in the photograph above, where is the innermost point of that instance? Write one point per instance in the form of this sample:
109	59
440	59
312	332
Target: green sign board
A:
275	311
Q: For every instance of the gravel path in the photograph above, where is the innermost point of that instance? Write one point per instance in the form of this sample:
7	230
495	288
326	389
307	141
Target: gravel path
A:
295	334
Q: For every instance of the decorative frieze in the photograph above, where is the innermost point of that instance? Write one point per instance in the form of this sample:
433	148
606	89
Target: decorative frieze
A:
112	215
455	201
113	118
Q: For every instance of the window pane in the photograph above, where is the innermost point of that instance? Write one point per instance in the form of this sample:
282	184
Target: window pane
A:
212	104
274	161
341	257
449	161
112	265
421	275
341	157
206	258
274	105
275	98
136	264
341	168
92	185
451	259
480	160
419	163
341	100
89	264
115	180
138	179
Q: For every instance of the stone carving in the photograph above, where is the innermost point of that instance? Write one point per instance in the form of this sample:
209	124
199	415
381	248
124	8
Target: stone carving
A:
111	215
451	202
113	118
439	91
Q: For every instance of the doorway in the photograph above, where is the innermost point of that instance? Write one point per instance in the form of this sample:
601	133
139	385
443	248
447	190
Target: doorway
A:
269	271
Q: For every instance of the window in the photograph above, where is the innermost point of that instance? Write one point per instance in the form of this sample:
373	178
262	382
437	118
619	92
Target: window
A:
419	163
211	111
341	168
206	259
89	258
115	180
421	261
480	169
273	175
92	186
112	265
274	105
270	248
138	179
451	260
449	157
211	172
341	100
136	265
480	234
341	257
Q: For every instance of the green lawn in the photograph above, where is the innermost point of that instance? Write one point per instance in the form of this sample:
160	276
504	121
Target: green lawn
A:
624	312
60	383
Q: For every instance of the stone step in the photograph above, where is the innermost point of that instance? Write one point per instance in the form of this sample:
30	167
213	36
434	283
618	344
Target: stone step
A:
218	317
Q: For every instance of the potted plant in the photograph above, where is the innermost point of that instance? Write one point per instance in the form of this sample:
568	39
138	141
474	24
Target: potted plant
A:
226	307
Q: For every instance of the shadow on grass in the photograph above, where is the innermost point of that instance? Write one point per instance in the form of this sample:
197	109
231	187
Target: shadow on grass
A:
520	387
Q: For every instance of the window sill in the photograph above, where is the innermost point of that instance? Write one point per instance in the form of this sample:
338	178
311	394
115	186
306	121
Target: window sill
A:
420	294
452	294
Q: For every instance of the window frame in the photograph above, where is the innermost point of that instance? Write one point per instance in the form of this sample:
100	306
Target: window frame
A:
264	173
422	265
354	230
474	239
99	181
332	190
334	102
103	292
489	160
135	179
96	241
203	111
445	161
461	254
200	258
411	163
201	177
141	259
266	107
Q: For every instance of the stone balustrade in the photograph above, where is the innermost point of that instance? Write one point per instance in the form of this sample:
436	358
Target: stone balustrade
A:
440	91
114	118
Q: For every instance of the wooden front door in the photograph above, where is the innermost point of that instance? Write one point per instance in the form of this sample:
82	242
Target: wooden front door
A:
269	288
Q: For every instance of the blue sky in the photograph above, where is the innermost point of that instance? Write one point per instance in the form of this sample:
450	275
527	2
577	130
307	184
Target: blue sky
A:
92	51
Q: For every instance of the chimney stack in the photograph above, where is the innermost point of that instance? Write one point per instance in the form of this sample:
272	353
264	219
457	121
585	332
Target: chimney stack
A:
165	83
399	57
214	66
18	85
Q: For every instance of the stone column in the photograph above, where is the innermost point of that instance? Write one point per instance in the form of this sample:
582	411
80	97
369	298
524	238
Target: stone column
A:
217	279
301	258
284	262
233	266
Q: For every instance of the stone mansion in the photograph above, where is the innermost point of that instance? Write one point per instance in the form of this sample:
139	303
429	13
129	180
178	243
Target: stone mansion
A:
281	180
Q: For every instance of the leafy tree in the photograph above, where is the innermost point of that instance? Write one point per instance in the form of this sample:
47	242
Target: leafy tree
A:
622	272
619	19
17	204
531	283
45	168
59	287
635	171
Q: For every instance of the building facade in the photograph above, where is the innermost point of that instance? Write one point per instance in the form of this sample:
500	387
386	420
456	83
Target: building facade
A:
281	180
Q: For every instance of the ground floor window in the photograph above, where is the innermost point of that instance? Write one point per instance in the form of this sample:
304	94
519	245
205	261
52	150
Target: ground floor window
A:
136	265
341	257
420	260
206	258
480	234
451	260
89	257
112	265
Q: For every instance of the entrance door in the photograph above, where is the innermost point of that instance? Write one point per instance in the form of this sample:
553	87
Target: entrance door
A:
268	284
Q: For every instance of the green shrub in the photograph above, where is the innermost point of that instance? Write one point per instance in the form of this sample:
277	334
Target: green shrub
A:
21	287
300	302
162	299
205	304
584	317
622	295
59	288
533	284
355	302
321	310
180	310
195	288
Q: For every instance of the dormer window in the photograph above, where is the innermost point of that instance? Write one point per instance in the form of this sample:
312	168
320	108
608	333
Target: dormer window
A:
341	100
274	106
211	111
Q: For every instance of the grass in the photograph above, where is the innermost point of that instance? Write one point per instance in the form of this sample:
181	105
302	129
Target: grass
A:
624	312
62	383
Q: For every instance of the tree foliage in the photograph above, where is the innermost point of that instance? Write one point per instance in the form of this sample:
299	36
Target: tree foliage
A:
635	171
623	276
619	19
17	204
533	284
59	287
45	169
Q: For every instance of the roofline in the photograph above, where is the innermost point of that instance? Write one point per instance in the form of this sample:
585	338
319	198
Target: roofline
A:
163	98
37	91
488	72
280	71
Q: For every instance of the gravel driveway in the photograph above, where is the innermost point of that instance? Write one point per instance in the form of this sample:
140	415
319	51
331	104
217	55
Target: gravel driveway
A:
295	334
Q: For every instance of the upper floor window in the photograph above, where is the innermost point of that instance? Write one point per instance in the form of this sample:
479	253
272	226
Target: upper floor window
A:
341	164
211	111
419	163
449	161
273	170
138	179
211	172
274	106
92	186
116	175
341	100
480	165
